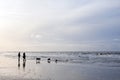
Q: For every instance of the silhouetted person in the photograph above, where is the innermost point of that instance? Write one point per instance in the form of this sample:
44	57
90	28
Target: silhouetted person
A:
19	56
24	57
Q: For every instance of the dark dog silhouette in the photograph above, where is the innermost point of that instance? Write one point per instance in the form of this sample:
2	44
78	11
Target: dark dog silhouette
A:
48	60
38	60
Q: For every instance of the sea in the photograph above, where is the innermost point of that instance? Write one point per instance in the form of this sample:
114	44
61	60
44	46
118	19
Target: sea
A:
60	65
108	58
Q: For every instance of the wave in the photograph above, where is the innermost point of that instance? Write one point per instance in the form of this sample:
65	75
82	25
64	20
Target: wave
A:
72	56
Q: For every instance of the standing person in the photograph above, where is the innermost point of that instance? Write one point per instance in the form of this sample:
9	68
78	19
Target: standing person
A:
24	56
19	56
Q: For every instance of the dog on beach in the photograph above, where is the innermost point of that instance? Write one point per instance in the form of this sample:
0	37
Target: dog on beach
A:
38	60
48	60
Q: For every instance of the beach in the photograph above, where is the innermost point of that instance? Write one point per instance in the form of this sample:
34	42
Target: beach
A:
11	69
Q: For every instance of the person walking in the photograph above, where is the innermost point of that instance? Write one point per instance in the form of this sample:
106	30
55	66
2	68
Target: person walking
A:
19	56
24	57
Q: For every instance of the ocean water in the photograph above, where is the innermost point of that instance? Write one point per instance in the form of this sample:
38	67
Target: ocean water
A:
105	58
72	65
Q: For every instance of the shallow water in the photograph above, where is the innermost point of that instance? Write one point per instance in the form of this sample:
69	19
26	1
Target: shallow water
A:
70	66
74	57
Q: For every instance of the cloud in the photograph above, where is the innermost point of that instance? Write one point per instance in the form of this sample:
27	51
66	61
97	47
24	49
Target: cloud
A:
63	24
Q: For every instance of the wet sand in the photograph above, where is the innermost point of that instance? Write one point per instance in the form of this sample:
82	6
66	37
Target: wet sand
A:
11	69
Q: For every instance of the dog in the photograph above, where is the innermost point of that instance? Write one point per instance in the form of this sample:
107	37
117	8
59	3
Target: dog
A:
48	60
38	60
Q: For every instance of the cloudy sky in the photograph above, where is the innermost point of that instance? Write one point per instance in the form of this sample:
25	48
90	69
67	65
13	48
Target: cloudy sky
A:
48	25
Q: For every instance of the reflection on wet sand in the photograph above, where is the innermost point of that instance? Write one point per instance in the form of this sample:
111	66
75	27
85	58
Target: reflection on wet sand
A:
48	61
18	64
24	64
37	62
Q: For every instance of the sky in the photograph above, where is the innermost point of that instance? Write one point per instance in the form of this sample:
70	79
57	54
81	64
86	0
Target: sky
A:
60	25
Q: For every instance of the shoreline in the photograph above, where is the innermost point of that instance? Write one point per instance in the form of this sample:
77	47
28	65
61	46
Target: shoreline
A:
11	70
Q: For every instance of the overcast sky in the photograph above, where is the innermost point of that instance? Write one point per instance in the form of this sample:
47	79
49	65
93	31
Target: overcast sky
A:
48	25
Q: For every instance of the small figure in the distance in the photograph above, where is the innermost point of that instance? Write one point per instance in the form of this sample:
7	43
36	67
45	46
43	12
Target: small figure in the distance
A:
48	60
38	60
18	56
19	60
56	60
24	57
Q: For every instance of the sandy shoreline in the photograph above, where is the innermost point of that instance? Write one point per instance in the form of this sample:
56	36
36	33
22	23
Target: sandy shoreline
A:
11	70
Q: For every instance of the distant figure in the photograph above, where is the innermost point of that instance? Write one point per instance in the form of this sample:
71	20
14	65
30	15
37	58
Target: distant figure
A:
24	57
38	60
19	56
56	60
100	53
49	60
